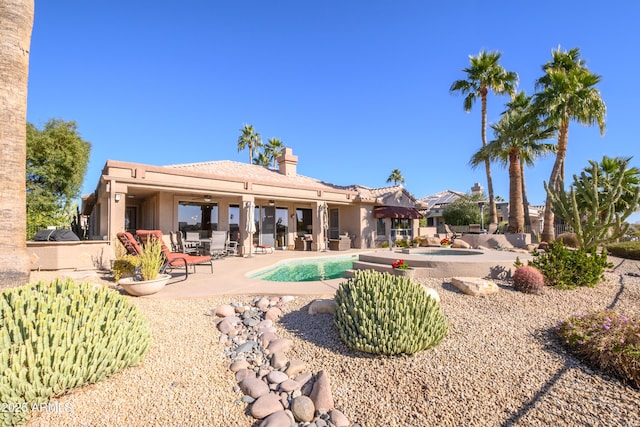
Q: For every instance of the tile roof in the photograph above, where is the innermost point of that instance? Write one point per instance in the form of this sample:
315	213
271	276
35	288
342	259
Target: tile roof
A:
229	169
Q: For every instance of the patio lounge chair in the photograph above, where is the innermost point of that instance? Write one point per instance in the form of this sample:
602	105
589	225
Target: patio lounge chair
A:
263	249
130	243
175	259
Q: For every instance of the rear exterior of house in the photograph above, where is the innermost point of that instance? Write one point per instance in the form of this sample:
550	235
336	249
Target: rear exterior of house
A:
290	211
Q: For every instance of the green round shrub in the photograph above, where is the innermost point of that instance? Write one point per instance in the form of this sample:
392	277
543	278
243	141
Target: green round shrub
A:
60	335
384	314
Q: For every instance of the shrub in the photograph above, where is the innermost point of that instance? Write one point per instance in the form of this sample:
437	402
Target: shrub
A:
629	250
570	240
528	279
384	314
125	266
566	269
60	335
606	340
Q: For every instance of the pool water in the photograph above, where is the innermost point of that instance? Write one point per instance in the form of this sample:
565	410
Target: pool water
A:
309	270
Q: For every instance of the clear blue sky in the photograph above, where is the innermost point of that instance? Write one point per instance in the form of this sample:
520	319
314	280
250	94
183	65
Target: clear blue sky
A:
355	88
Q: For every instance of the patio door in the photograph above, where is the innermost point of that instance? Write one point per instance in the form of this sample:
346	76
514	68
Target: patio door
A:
268	226
334	224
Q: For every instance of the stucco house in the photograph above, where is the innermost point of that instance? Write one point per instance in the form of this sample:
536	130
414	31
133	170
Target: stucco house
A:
217	195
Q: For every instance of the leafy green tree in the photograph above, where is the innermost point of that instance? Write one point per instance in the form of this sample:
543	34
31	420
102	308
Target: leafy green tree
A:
567	92
274	149
57	159
486	74
464	210
16	23
599	201
250	139
396	177
517	142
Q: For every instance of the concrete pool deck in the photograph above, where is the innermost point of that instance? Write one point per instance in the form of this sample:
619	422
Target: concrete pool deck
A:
230	274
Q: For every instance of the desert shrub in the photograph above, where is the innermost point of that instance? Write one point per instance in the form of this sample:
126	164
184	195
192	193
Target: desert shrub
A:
567	269
528	279
570	240
629	250
606	340
125	266
402	243
384	244
60	335
384	314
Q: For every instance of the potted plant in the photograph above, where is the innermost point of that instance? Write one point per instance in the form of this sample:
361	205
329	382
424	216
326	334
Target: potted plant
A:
445	242
416	241
401	268
147	279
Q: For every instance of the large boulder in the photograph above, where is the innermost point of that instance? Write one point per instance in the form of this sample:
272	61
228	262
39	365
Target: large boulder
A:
475	286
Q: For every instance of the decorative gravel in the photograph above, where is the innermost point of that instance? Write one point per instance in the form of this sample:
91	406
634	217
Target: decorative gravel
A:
499	365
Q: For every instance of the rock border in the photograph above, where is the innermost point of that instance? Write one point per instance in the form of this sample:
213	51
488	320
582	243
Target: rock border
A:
281	392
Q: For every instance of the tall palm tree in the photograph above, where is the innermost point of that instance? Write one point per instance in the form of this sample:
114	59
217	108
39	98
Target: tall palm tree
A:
486	74
517	142
16	23
274	149
567	93
395	177
262	159
250	139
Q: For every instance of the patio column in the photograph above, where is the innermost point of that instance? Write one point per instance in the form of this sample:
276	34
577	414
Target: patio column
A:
318	237
246	239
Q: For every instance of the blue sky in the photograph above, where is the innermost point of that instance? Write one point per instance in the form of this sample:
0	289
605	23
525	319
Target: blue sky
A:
355	88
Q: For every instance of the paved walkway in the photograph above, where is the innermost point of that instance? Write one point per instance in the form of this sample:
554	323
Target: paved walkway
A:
230	276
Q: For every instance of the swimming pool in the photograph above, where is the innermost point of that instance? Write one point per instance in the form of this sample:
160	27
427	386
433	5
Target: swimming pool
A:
308	270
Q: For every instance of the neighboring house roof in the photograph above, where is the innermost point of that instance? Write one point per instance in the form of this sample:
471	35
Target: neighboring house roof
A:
441	198
384	195
231	170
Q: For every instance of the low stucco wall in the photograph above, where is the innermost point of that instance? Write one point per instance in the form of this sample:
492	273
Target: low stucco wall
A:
516	240
70	255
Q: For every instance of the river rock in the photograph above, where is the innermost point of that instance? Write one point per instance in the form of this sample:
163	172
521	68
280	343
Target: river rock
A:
277	419
254	387
225	310
321	392
303	409
266	405
339	419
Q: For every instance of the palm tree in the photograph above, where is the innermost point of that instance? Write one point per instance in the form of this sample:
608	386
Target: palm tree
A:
262	159
567	93
249	139
517	142
274	149
395	177
16	23
485	74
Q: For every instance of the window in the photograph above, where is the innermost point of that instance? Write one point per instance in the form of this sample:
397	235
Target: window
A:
305	222
234	222
381	227
197	216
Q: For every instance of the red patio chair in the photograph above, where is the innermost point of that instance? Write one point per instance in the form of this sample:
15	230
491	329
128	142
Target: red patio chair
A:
175	259
130	243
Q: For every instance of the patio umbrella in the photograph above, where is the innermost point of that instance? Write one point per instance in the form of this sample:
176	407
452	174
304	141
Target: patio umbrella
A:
324	215
251	224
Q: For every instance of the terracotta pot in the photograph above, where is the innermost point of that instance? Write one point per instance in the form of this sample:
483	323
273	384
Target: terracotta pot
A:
145	287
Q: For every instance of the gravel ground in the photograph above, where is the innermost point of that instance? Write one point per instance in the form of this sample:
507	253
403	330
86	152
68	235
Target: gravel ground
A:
499	365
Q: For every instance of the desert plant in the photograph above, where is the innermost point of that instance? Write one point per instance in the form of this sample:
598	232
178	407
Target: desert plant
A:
60	335
125	266
566	269
384	314
151	259
606	340
570	240
629	250
528	279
